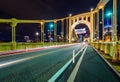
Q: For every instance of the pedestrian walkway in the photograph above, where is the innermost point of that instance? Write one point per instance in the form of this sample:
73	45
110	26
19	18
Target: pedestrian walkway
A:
92	68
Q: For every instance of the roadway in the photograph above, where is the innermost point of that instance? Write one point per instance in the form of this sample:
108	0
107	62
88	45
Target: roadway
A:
42	65
35	66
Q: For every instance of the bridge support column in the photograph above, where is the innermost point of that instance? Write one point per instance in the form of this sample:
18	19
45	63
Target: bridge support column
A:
67	30
115	53
91	21
103	23
55	31
62	30
115	20
94	26
98	25
42	32
70	29
13	25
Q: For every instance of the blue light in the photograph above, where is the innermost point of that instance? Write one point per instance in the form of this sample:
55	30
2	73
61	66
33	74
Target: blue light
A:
109	14
51	25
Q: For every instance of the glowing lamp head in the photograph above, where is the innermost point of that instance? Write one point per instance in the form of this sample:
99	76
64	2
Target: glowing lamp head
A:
109	14
51	25
70	14
36	33
91	9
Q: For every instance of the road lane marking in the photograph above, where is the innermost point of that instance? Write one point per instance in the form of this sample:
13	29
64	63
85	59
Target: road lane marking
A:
75	70
4	64
60	71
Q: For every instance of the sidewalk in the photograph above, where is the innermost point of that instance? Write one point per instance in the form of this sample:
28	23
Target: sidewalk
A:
94	69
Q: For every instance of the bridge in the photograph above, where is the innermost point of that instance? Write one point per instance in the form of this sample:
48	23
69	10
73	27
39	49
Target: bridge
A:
69	60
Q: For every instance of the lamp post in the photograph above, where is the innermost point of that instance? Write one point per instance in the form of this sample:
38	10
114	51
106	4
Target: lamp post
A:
115	56
115	20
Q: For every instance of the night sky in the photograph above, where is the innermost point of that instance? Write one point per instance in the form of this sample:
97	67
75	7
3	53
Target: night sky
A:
43	9
38	9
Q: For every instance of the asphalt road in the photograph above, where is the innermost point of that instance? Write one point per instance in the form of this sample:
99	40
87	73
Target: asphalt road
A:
38	66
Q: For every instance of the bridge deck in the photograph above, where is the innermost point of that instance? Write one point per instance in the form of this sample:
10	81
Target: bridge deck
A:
42	65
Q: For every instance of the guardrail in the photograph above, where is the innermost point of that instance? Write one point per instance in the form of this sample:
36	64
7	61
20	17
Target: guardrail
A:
110	48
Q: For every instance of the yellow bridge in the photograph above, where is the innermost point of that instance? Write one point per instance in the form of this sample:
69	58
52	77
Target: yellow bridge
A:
91	19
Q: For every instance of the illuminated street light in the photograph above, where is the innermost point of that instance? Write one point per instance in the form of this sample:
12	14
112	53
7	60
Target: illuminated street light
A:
91	9
70	14
51	25
37	34
109	14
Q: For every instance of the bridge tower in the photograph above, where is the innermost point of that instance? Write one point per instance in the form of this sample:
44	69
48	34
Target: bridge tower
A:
89	19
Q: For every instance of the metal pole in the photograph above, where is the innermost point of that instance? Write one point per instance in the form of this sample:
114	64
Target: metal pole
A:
115	20
115	49
67	28
70	33
55	31
13	25
103	23
93	26
98	25
112	28
62	30
42	32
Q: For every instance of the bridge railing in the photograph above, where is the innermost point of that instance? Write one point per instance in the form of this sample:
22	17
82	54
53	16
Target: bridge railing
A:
9	46
110	48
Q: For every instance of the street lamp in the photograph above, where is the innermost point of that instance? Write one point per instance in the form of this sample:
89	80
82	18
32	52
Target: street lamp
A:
109	13
91	9
37	34
70	14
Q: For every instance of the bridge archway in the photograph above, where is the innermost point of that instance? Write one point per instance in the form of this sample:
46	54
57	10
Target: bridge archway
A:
85	23
85	18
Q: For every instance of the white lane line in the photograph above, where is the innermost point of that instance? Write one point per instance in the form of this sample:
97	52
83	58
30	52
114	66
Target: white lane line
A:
60	71
75	70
